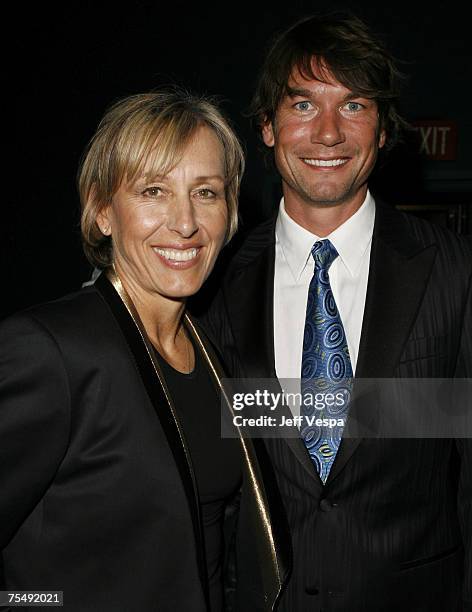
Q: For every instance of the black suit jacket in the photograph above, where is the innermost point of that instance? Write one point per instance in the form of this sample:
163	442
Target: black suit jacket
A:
97	491
392	527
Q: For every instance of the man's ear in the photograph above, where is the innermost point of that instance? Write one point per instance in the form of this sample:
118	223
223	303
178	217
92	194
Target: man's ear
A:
382	138
268	134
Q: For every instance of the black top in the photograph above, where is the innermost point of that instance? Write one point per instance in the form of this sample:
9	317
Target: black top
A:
216	460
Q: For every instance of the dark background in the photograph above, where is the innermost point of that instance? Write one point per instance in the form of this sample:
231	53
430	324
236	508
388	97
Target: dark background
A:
70	62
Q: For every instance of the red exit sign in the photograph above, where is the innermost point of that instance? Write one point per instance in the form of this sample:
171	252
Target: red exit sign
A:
437	139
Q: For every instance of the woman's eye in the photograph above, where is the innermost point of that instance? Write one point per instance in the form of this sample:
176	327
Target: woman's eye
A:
206	194
303	106
153	192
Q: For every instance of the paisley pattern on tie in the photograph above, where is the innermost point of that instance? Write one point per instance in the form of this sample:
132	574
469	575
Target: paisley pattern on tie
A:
326	365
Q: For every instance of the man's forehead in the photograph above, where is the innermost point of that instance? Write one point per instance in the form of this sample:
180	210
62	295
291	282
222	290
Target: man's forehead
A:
317	74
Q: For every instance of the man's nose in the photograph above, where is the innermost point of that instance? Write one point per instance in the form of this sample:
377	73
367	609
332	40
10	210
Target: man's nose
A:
182	217
327	128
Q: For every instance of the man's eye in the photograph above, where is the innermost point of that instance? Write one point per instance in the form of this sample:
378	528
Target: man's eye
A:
303	106
354	106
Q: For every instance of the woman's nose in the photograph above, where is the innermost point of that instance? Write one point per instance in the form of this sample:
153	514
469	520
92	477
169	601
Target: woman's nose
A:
182	218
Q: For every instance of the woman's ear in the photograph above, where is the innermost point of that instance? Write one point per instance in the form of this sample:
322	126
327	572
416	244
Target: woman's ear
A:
104	221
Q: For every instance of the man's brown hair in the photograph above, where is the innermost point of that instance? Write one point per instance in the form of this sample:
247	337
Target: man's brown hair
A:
343	45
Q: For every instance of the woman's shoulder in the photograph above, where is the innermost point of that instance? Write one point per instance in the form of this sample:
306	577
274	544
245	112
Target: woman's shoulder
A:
77	315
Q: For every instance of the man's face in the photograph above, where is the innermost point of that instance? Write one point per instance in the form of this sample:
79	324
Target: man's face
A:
325	140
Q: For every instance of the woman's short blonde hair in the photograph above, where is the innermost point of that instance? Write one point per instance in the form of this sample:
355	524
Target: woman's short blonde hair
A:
148	131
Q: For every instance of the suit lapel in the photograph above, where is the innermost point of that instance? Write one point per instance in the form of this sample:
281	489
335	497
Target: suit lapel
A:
249	295
400	268
399	271
272	534
111	290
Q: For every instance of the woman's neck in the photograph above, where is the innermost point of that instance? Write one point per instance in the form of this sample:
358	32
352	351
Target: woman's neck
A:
162	320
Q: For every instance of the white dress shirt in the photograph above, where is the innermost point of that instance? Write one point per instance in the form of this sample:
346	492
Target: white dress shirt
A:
294	266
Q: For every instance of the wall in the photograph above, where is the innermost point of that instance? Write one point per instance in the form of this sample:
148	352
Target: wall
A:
69	63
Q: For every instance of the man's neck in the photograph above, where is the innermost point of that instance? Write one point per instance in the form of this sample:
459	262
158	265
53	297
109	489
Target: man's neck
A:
323	219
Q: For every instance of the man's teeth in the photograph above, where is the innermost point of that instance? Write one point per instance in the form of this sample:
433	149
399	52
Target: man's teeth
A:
180	255
325	163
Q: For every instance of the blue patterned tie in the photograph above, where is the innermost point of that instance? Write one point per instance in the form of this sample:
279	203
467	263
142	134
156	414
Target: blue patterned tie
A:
326	366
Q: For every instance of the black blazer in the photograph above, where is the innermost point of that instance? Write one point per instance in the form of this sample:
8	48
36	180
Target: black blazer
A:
392	527
97	492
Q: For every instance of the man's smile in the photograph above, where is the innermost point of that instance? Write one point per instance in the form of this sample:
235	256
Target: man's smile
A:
325	163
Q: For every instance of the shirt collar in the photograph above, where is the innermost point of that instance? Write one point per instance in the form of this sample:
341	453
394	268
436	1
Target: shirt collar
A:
350	239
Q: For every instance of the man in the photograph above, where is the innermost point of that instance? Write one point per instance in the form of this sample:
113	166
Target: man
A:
375	524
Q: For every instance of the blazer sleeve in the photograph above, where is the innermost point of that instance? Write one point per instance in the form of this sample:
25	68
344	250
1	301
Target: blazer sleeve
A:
464	446
34	418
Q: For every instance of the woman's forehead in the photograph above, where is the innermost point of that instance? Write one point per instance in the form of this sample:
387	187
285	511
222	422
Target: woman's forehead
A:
202	146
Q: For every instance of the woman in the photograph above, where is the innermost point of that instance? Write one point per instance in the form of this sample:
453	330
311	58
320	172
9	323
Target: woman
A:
114	475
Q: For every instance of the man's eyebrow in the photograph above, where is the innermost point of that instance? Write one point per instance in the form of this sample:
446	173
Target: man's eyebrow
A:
299	92
294	92
356	94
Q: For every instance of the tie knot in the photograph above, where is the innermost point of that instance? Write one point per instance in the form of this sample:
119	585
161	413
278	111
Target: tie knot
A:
324	254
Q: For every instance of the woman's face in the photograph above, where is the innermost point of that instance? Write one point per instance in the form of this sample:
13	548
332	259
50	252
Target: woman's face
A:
167	230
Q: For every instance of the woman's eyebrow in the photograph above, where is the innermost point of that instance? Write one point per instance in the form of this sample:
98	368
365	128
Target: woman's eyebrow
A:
213	177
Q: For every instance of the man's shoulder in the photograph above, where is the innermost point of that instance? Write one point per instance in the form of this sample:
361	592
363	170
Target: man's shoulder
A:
429	232
253	242
421	233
